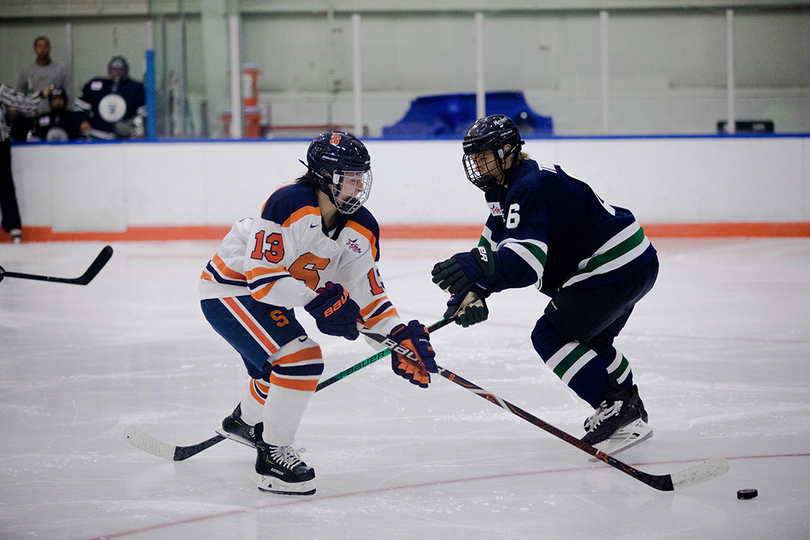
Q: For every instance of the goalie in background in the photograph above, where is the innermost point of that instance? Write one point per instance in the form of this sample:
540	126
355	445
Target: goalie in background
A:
550	230
313	246
113	107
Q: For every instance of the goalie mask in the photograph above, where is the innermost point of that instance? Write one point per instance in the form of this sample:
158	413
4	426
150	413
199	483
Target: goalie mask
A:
118	68
485	150
342	166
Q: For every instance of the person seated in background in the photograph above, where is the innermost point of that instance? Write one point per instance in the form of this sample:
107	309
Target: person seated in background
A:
113	107
58	125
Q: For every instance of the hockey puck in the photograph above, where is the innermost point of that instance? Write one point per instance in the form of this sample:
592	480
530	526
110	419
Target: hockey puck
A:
746	493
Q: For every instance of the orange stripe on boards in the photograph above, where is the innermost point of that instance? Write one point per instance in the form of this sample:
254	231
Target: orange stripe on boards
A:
132	234
431	231
396	231
257	332
306	385
716	230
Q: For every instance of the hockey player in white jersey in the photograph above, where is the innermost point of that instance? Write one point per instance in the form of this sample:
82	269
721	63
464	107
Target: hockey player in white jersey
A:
312	245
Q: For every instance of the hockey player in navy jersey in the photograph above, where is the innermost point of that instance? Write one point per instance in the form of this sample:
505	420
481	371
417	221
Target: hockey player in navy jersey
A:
550	230
113	107
313	246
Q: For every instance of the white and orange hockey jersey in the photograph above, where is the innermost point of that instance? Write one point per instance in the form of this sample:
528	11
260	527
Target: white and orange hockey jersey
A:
283	256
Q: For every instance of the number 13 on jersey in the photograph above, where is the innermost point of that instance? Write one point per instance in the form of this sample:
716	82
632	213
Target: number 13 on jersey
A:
270	248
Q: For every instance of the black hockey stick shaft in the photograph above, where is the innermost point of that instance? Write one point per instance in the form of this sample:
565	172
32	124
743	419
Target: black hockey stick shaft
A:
180	453
84	279
659	482
184	452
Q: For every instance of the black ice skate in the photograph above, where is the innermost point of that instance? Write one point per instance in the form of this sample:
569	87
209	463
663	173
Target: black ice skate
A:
281	469
236	429
619	409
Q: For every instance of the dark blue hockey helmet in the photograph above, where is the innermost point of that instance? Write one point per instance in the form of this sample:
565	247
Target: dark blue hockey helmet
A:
487	143
118	68
342	166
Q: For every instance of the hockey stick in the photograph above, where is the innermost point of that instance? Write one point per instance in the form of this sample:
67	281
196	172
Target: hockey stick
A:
666	482
371	359
84	279
146	442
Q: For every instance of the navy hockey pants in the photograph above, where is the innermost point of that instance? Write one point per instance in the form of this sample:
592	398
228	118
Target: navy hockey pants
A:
575	335
256	330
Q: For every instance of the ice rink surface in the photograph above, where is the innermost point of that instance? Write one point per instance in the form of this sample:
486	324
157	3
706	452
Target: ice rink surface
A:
720	350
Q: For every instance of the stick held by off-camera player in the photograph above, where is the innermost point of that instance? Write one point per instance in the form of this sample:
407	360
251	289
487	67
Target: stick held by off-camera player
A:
84	279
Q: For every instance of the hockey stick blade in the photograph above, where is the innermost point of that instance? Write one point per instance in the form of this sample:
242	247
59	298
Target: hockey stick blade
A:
694	475
84	279
138	438
700	473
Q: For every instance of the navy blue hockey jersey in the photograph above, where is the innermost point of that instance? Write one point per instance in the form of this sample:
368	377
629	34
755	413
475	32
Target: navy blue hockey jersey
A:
551	230
103	102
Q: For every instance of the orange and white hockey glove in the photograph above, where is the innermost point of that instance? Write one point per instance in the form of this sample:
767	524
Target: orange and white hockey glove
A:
415	359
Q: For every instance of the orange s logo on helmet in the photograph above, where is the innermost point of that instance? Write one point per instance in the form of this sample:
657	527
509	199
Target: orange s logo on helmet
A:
335	140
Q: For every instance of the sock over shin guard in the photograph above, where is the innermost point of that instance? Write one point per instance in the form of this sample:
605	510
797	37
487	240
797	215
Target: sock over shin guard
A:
576	364
296	369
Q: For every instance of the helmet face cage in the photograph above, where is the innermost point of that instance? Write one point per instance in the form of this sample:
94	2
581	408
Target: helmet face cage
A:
118	68
485	150
349	190
483	169
342	166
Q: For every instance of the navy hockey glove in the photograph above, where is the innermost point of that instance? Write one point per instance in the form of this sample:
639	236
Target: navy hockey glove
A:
335	313
464	269
415	340
468	308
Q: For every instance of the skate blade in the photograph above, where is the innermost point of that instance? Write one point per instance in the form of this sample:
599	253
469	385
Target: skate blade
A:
235	438
269	484
627	437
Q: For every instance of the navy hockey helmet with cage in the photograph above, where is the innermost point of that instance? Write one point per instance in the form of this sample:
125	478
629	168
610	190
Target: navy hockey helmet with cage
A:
491	134
342	167
118	63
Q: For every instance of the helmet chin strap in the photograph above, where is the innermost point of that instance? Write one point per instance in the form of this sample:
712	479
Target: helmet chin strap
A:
503	157
327	207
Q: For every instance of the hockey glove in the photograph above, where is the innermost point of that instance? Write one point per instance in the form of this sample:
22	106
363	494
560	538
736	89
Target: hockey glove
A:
468	308
335	313
416	361
464	269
